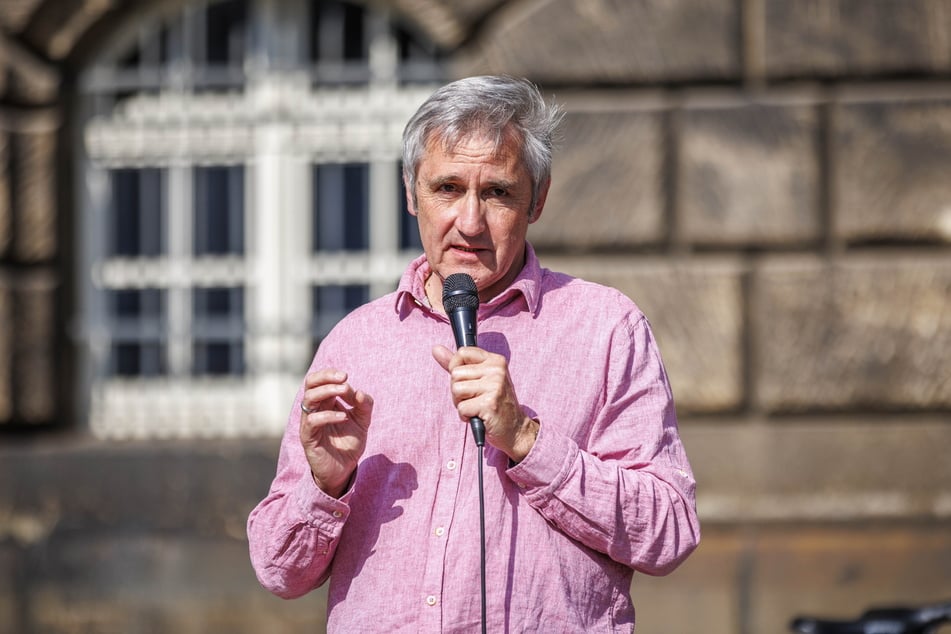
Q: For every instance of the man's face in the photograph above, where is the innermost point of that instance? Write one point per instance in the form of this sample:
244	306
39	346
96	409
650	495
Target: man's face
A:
473	203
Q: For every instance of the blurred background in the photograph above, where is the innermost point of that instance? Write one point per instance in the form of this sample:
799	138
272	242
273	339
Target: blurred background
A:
193	193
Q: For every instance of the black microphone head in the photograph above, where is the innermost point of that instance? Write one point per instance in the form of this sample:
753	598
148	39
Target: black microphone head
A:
459	291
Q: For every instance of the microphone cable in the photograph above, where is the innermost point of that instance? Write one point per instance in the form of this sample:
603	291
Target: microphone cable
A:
481	445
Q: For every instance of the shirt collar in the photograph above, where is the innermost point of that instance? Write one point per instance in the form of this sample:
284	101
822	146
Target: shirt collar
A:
527	284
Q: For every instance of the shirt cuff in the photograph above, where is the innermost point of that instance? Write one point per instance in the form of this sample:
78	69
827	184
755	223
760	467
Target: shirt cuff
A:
318	508
547	464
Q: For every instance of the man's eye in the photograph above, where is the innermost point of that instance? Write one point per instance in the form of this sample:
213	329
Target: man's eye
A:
447	187
497	192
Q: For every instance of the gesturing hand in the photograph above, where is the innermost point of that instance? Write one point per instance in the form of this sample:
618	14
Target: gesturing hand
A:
334	433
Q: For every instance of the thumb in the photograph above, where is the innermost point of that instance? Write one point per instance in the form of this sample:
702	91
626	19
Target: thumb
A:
443	356
362	408
363	405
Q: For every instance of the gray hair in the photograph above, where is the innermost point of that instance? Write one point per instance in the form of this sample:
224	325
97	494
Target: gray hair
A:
491	105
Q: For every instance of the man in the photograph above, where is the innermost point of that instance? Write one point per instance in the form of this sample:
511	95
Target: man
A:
586	477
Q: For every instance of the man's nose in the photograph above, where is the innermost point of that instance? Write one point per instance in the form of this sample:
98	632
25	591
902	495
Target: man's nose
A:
470	220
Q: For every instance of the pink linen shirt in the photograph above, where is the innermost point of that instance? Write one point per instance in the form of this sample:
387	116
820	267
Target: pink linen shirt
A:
605	491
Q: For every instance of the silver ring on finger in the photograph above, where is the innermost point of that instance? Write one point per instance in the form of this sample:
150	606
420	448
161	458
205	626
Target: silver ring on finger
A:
306	409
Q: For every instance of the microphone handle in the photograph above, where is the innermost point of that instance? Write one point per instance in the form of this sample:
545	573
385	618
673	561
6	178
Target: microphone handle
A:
463	323
478	430
464	332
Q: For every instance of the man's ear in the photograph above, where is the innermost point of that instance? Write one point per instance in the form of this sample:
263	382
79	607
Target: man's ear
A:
539	202
410	198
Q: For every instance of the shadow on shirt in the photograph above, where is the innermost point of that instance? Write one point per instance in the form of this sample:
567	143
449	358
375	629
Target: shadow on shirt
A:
380	485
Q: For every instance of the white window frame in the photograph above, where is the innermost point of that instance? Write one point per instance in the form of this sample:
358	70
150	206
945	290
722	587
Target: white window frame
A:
278	127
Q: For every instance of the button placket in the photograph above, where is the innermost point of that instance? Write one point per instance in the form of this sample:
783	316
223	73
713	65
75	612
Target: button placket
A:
452	443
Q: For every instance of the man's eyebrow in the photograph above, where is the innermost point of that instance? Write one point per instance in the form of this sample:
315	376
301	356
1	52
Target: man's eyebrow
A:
444	179
503	183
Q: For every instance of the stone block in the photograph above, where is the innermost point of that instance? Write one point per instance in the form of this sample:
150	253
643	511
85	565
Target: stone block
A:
7	336
10	591
137	538
35	195
56	31
892	160
471	10
199	488
696	312
446	22
6	214
758	578
707	582
152	583
27	78
609	42
16	13
836	38
607	183
748	174
821	470
838	573
34	362
860	332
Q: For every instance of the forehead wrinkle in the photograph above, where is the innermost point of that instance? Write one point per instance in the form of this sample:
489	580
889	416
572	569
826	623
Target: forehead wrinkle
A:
502	141
459	162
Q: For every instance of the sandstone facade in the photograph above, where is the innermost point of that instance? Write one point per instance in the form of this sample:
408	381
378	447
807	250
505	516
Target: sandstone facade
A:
768	179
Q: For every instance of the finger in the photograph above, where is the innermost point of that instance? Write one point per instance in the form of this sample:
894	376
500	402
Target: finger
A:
323	396
320	419
467	381
485	366
313	425
362	408
443	356
472	361
325	376
471	354
350	397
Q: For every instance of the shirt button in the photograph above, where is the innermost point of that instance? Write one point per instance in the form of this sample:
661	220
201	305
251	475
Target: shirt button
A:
338	514
431	600
451	465
440	531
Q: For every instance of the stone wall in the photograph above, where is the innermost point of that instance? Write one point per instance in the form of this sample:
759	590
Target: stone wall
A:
768	179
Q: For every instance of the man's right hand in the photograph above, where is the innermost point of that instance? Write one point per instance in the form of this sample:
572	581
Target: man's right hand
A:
334	433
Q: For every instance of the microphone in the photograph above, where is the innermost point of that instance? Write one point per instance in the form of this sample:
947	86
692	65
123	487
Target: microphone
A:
460	299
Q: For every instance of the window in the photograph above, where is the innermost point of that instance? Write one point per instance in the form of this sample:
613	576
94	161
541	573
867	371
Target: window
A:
241	193
331	302
341	207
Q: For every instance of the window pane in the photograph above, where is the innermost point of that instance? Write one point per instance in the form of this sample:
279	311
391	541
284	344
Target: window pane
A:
218	331
136	212
225	32
137	326
341	207
409	227
338	32
219	210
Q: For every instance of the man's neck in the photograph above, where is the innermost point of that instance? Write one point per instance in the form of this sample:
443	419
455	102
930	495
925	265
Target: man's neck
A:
433	288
